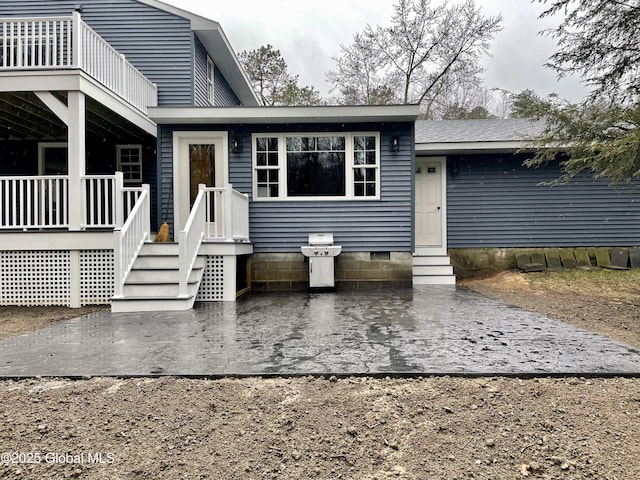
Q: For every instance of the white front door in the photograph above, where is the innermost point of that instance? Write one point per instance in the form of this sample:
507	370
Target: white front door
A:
199	157
429	209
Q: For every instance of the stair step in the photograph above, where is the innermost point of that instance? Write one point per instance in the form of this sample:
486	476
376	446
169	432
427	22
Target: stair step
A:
156	290
431	260
159	248
159	275
151	304
430	270
435	280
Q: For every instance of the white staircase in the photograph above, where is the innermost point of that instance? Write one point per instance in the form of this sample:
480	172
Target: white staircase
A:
432	268
152	285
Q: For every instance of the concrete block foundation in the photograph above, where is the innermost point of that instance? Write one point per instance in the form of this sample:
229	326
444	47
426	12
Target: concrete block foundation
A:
354	271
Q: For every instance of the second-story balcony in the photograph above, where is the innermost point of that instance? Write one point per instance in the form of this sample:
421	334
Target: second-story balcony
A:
65	43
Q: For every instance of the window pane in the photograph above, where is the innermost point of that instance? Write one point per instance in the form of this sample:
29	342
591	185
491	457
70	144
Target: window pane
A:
263	191
273	189
273	144
261	159
294	144
371	189
359	190
262	176
371	158
324	143
273	176
370	143
371	175
308	174
308	144
338	143
261	144
358	158
273	158
358	143
358	174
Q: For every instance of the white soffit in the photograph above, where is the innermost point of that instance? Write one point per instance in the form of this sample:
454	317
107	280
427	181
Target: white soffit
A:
255	115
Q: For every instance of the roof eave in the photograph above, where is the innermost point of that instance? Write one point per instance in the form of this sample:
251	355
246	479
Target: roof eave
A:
470	147
257	115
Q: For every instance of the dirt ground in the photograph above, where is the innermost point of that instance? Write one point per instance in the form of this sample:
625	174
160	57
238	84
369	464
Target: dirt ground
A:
339	428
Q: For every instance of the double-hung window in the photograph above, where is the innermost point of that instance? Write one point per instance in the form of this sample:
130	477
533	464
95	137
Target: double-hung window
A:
130	163
316	166
211	72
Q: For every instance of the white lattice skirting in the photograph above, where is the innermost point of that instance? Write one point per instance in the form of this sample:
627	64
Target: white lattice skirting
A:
33	278
212	284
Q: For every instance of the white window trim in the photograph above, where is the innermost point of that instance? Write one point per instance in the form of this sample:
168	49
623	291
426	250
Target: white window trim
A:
282	169
119	162
211	80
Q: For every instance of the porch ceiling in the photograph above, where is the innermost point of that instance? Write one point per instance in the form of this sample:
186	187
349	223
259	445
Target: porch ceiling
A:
24	117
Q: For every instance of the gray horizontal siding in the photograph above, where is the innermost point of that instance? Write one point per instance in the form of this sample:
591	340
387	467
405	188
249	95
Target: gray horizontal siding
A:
493	201
224	96
165	176
358	225
158	43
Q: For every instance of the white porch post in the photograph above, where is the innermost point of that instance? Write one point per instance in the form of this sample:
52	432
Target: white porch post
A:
77	42
77	157
74	301
228	213
229	266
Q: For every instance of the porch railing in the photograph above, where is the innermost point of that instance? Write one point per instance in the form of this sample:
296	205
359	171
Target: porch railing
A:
227	214
130	238
34	202
30	203
68	42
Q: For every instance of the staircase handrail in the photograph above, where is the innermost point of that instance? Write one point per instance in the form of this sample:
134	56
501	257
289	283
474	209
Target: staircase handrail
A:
130	238
190	239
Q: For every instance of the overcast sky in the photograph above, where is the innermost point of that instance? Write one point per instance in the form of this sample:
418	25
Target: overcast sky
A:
309	33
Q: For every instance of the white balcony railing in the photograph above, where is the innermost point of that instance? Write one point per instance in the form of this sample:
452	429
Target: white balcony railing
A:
41	43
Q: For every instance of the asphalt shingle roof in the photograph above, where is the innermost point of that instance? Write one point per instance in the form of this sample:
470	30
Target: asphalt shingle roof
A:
485	130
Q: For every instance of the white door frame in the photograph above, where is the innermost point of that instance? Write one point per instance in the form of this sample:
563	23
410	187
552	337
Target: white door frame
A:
181	174
442	248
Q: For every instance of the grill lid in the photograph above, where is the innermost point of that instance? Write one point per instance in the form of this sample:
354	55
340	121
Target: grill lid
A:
321	239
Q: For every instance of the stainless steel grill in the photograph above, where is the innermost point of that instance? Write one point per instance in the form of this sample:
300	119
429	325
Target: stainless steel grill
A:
321	252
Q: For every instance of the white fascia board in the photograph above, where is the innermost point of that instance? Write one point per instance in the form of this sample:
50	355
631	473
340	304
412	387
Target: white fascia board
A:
255	115
469	147
219	49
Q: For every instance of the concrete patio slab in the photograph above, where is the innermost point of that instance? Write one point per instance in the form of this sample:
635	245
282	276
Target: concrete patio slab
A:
427	330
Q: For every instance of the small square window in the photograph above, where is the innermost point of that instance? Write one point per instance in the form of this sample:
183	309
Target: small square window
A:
129	162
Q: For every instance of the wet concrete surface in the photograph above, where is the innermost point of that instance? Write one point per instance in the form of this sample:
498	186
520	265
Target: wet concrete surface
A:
427	330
